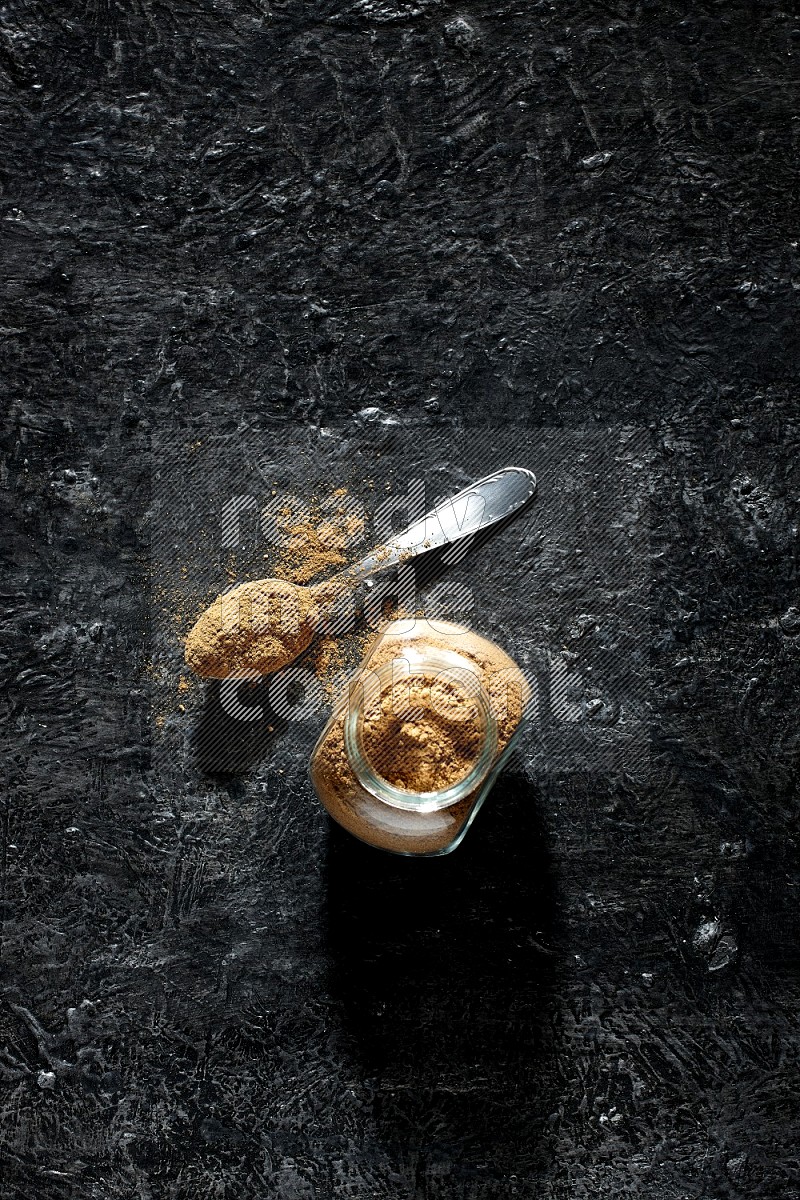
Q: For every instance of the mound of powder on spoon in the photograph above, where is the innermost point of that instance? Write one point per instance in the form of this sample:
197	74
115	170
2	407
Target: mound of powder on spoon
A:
259	626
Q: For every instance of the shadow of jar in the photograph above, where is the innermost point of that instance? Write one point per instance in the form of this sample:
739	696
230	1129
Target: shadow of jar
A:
444	972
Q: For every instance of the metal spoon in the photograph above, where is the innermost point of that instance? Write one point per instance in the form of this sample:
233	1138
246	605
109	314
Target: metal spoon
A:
262	625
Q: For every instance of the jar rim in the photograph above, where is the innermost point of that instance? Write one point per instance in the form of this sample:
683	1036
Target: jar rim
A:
436	662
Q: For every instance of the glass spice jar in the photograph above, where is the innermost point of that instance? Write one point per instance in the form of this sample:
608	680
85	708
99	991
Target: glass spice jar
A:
417	738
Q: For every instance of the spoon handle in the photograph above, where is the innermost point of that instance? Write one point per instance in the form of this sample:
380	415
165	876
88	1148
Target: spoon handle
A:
477	506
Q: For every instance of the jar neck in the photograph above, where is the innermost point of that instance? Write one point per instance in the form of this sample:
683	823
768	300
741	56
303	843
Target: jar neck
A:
375	685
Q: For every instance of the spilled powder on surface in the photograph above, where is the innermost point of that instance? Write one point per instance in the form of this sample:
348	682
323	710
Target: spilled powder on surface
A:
334	659
317	542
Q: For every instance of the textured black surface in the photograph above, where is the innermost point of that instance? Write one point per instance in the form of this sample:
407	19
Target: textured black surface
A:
572	215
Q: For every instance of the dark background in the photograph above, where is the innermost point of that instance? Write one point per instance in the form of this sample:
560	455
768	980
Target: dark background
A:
573	215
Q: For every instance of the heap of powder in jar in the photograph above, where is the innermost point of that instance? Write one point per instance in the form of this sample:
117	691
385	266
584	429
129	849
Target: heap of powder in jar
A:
422	733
